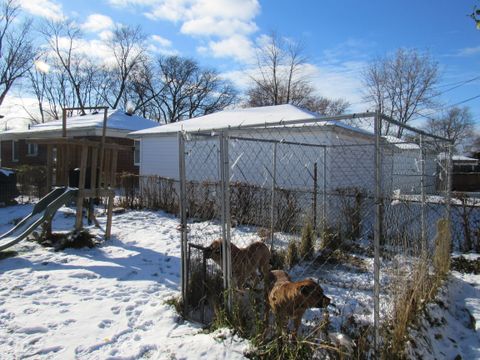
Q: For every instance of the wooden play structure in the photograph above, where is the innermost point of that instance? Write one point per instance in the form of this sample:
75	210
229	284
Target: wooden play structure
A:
88	164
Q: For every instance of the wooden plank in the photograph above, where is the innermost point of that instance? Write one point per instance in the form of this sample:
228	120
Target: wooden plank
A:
93	174
79	214
66	169
83	167
96	192
49	166
114	168
106	167
108	229
102	146
64	123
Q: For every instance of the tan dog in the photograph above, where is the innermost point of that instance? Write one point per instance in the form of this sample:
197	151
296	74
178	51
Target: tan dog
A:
277	277
289	299
245	262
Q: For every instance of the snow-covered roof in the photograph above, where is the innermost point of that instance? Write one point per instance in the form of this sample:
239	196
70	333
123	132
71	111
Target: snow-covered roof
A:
463	158
458	158
401	143
236	118
119	124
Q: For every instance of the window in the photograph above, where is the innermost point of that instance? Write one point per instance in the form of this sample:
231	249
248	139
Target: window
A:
32	149
136	155
15	147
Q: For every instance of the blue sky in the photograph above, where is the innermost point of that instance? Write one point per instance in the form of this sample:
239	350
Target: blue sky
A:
340	37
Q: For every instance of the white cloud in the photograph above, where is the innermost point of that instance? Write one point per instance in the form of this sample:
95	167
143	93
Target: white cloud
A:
105	35
340	81
17	111
207	26
43	8
127	3
225	24
97	22
161	45
162	50
161	40
237	46
469	51
42	66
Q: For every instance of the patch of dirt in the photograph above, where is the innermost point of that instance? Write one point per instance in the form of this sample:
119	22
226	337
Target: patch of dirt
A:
463	265
7	254
75	240
339	257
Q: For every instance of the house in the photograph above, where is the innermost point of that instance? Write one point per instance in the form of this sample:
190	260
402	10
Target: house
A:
18	147
335	153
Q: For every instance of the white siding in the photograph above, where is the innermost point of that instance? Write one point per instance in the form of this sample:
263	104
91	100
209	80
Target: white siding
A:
348	166
159	156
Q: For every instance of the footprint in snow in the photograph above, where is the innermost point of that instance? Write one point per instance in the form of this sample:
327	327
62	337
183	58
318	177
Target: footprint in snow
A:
105	324
69	321
115	310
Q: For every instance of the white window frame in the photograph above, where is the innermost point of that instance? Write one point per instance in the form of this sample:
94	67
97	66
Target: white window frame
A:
15	156
137	155
31	146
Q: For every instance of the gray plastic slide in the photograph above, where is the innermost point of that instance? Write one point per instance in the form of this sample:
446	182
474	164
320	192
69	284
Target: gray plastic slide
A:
44	210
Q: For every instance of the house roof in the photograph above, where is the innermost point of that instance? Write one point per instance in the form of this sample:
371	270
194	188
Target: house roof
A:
401	143
119	124
237	118
458	158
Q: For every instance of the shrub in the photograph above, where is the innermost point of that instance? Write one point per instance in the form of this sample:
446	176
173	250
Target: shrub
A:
308	241
32	180
291	257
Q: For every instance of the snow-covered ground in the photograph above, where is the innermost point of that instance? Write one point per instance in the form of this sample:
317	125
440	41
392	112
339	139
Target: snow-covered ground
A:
109	302
101	303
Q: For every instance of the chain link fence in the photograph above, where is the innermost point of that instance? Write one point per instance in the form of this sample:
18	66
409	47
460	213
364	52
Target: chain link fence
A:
342	201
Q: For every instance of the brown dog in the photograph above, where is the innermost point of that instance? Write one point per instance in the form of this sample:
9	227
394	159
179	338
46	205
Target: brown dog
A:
289	299
277	277
245	262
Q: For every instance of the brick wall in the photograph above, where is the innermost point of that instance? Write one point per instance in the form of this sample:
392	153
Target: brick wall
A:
124	164
23	157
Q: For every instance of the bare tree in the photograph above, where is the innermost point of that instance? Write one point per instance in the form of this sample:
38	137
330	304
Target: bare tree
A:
475	15
280	78
128	47
325	106
401	86
16	48
62	37
455	124
189	90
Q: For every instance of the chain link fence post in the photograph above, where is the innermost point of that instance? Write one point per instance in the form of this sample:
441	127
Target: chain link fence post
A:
183	219
377	230
272	207
225	218
423	197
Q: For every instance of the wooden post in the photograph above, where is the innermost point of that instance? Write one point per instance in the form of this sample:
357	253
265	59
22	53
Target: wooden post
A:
113	169
106	167
93	174
108	230
66	163
49	166
102	146
81	186
64	123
